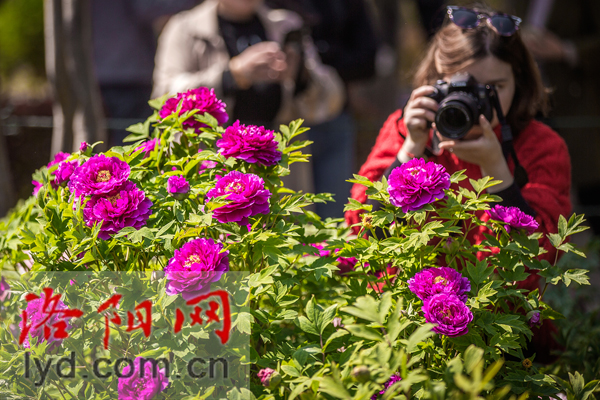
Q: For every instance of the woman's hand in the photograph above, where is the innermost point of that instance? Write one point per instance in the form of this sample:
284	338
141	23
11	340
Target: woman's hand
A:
418	114
262	62
484	151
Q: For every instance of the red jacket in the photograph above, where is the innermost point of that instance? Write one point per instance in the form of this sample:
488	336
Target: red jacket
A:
540	150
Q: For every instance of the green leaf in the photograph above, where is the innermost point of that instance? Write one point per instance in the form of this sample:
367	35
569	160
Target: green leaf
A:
327	317
419	335
354	205
306	325
364	332
367	308
154	353
244	322
473	356
480	271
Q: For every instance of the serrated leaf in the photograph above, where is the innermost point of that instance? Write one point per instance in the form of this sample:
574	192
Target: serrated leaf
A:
419	335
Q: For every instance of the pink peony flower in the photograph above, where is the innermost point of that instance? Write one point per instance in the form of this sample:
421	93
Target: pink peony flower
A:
58	158
202	99
148	146
269	377
346	264
99	175
36	315
393	379
125	206
416	183
36	187
207	164
4	289
246	197
178	187
514	218
449	312
63	172
193	267
439	280
144	383
253	144
83	147
320	247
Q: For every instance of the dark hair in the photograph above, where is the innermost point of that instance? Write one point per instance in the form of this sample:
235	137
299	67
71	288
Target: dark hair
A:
454	48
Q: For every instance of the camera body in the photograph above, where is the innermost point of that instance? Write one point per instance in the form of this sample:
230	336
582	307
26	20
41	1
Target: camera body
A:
461	102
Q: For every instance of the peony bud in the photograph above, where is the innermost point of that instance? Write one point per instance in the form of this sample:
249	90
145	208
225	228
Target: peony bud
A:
361	374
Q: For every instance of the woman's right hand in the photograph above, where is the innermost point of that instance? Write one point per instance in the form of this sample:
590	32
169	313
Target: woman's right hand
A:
418	115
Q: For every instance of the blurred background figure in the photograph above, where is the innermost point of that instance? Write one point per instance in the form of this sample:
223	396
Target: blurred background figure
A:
343	32
258	60
124	45
565	39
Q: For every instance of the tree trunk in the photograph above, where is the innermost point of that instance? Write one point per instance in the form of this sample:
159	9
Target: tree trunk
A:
77	110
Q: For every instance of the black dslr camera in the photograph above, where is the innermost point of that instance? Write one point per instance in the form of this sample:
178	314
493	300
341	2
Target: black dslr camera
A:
461	102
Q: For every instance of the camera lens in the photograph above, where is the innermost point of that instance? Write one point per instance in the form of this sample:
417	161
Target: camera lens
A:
453	121
456	115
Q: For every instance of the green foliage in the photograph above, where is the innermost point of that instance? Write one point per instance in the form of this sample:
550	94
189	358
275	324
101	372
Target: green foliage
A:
22	35
317	327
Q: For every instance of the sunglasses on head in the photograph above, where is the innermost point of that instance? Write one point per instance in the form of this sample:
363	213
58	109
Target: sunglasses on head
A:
466	18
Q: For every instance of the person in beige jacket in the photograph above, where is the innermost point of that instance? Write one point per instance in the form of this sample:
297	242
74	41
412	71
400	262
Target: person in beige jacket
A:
196	48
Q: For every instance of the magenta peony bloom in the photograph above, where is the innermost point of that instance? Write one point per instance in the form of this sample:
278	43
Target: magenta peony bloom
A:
99	175
194	266
393	379
36	315
202	99
207	164
514	218
253	144
246	197
58	158
4	289
439	280
144	383
63	172
36	187
178	187
320	247
126	206
83	147
267	376
449	312
346	264
416	183
148	146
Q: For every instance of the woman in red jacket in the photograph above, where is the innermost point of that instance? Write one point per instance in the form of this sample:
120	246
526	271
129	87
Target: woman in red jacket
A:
487	46
499	59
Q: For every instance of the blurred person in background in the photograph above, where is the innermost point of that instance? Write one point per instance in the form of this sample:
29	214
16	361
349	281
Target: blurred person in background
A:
257	59
565	39
124	36
344	35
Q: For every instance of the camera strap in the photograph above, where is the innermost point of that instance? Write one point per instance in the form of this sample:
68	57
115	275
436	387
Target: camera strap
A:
520	175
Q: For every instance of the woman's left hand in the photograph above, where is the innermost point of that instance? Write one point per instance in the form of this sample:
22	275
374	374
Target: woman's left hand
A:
484	151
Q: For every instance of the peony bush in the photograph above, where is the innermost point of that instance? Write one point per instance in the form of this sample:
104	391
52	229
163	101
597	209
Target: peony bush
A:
408	308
